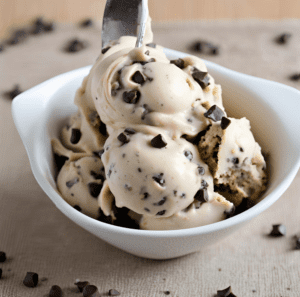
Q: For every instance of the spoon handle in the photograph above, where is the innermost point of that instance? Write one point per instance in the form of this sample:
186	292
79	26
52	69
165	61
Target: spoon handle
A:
143	13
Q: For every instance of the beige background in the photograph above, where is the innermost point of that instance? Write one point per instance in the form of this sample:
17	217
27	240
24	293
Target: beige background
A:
18	12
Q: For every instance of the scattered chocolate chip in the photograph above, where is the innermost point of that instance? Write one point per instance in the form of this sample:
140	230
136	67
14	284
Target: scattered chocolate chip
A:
0	273
81	285
201	170
104	50
201	195
205	48
159	179
283	38
99	153
75	136
147	52
138	78
77	207
102	129
179	63
167	292
123	138
146	111
235	161
214	113
31	279
161	213
55	291
188	155
295	77
201	78
139	170
151	45
75	45
14	92
96	175
129	131
241	149
113	292
131	97
161	202
225	293
94	189
158	141
204	183
2	257
278	230
72	182
90	291
225	122
86	23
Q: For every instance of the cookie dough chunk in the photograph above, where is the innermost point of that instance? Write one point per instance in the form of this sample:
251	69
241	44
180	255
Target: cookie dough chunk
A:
234	159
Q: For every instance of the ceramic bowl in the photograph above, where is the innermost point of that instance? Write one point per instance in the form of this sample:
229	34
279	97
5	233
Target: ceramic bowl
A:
272	108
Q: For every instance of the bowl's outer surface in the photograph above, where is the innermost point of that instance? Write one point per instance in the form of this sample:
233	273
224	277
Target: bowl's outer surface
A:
272	109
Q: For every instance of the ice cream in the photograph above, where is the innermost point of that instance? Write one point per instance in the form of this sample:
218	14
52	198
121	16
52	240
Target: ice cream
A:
151	143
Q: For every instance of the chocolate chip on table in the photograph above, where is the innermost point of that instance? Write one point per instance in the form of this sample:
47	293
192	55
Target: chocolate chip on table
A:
104	50
138	78
161	213
161	202
188	155
201	195
77	207
72	182
131	97
225	122
158	141
295	77
81	285
75	136
123	138
205	47
75	45
94	189
179	63
151	45
55	291
2	257
14	92
113	292
129	131
167	292
278	230
225	293
159	179
283	38
201	78
31	279
201	170
214	113
90	291
86	23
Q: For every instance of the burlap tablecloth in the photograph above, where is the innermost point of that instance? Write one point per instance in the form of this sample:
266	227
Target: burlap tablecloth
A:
38	237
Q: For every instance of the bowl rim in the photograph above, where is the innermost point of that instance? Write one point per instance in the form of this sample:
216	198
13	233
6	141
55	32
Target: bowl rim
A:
80	218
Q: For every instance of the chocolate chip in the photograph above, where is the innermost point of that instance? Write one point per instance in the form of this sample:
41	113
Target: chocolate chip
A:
159	179
201	170
0	273
86	23
147	52
278	230
104	50
81	285
151	45
161	202
99	153
75	136
31	279
14	92
90	291
131	97
295	77
214	113
72	182
204	184
235	161
2	257
182	195
129	131
123	138
241	149
102	129
205	47
188	155
75	45
146	195
297	247
146	111
94	189
225	122
139	170
161	213
17	37
225	293
55	291
167	292
127	187
138	78
201	78
179	63
77	207
96	175
158	141
283	38
113	292
201	195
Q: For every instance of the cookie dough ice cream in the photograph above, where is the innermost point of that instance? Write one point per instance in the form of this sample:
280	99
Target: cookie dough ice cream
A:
151	143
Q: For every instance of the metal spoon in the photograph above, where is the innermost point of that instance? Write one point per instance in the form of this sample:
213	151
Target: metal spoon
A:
124	18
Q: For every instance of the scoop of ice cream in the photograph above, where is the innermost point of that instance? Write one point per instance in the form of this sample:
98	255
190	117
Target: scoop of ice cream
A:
80	183
152	174
195	215
234	158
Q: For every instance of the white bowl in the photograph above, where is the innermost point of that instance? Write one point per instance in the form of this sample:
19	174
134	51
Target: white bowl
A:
272	108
